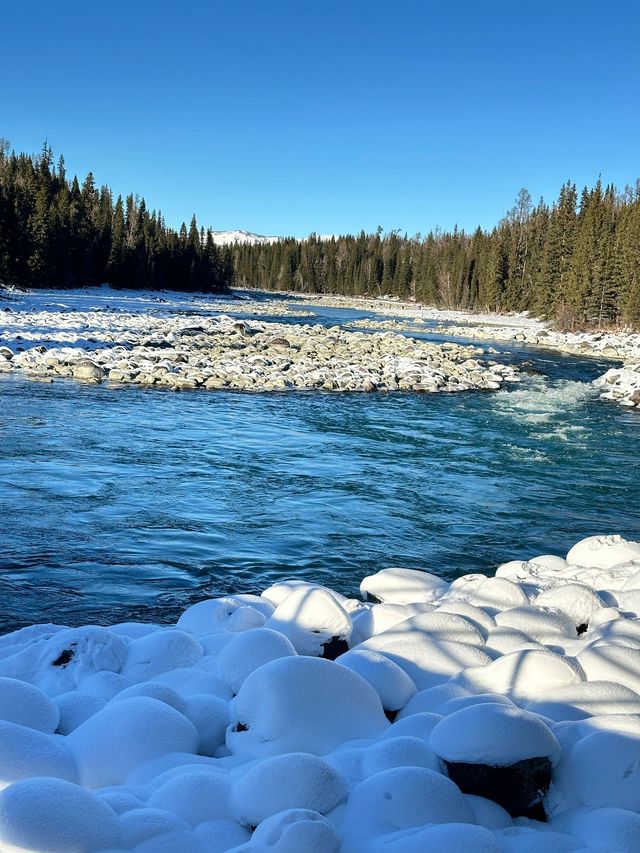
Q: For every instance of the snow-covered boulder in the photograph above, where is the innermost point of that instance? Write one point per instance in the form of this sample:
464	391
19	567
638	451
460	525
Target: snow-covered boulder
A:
124	735
220	614
249	651
499	752
314	621
390	681
302	704
55	816
403	586
28	706
26	752
603	552
291	781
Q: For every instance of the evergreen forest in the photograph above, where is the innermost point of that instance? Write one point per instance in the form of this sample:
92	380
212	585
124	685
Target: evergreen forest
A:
576	261
55	231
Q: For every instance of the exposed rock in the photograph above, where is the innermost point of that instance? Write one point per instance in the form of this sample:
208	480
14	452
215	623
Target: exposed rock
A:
519	788
221	353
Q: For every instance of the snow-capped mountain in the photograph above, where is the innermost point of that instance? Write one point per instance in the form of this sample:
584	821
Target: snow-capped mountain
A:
226	238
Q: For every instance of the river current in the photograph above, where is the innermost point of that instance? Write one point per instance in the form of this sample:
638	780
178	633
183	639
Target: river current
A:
132	504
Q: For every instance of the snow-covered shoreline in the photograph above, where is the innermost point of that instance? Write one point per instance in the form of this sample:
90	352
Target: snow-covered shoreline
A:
303	720
521	327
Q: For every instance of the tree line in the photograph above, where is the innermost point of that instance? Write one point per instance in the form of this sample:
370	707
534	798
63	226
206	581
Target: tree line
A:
55	231
576	262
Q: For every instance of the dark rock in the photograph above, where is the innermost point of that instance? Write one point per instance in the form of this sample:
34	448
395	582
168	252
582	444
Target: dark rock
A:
334	647
65	657
519	788
240	727
582	629
391	715
372	598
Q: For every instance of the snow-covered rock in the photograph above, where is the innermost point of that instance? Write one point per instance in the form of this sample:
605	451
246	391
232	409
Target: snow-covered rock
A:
55	816
292	781
523	689
302	704
402	586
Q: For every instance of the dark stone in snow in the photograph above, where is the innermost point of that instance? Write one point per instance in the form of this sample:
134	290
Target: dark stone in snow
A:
372	598
63	658
518	788
334	647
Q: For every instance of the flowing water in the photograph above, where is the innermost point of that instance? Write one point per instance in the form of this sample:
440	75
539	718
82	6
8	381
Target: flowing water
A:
131	503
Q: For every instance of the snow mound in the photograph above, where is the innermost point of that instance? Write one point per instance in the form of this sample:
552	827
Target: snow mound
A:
140	825
124	735
74	708
494	734
478	617
375	619
539	623
158	652
249	651
612	663
578	601
441	625
294	831
210	716
390	681
608	829
55	816
603	769
24	704
310	617
61	662
405	797
403	586
220	614
497	594
426	661
285	782
28	752
590	698
195	796
603	552
522	675
452	837
399	751
301	704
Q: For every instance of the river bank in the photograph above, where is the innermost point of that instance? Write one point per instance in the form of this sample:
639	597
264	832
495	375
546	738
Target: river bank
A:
300	716
620	344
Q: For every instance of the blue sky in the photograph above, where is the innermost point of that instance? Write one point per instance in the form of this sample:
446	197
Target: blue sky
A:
288	117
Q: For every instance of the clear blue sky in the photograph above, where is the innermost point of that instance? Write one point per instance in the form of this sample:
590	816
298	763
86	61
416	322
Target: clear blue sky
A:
287	117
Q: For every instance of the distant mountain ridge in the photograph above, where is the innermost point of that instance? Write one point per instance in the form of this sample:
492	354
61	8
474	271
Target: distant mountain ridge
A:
228	238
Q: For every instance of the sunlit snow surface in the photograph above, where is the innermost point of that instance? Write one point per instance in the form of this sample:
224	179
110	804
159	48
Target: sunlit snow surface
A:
228	732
